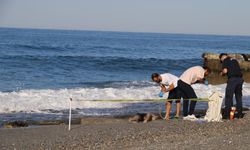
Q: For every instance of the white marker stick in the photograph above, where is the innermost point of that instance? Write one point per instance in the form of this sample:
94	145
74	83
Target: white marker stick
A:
70	100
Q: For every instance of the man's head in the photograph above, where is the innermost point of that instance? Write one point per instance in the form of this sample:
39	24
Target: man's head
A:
222	57
156	77
207	71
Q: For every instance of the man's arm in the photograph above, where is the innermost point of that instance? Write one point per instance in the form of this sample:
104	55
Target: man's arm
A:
200	80
224	68
200	77
224	71
164	89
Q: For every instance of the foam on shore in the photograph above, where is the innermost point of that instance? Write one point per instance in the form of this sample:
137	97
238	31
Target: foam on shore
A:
43	101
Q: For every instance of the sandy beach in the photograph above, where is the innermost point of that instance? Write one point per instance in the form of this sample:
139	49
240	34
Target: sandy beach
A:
118	133
108	68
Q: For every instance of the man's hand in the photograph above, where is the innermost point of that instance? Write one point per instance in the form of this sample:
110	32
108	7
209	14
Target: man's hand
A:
163	88
200	80
171	87
224	71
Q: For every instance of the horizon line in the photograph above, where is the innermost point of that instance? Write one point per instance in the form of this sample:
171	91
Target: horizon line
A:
123	31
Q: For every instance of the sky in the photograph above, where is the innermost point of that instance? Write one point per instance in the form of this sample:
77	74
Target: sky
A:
221	17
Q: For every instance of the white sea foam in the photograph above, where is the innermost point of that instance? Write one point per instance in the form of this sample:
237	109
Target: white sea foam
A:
40	101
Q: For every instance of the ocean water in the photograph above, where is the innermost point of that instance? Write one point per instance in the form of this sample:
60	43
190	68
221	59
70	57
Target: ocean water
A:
41	69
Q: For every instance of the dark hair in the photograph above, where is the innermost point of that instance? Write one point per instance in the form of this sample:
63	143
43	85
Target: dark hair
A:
207	68
222	54
154	75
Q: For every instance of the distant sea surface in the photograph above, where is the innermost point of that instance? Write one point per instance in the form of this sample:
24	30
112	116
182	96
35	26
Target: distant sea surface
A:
54	59
37	63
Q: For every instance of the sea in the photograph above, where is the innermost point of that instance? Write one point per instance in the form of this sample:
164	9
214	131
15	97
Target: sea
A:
41	69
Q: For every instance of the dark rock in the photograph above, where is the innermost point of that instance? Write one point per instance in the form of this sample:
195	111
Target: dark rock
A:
16	124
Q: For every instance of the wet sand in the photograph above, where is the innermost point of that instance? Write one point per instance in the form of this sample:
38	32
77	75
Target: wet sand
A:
118	133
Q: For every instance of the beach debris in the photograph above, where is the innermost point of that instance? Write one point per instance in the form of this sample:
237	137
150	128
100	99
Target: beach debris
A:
50	122
16	124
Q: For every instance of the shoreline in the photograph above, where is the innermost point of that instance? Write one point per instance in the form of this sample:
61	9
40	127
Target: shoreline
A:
79	119
118	133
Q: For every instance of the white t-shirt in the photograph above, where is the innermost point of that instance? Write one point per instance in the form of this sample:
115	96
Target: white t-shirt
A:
168	79
192	74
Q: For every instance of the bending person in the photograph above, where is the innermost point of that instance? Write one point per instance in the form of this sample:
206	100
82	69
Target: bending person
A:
191	76
168	83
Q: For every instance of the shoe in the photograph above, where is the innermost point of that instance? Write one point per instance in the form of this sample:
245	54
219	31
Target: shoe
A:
225	117
186	118
239	116
190	117
174	117
166	118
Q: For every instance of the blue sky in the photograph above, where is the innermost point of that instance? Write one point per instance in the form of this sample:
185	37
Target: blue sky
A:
227	17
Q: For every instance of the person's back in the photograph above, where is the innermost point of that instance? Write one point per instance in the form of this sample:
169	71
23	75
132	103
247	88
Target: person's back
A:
168	79
191	75
233	67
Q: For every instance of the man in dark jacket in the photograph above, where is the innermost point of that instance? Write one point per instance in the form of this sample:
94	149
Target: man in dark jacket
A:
231	68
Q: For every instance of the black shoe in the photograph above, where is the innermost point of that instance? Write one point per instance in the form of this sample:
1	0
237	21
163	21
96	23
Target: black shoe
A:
239	116
225	117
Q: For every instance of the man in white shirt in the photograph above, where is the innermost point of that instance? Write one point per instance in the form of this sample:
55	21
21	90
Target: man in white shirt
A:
191	76
168	83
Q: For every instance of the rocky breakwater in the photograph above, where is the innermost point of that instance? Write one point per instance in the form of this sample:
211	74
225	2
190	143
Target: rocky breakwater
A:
213	62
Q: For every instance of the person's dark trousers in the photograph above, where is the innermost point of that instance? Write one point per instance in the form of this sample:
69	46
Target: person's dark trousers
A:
234	86
187	92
